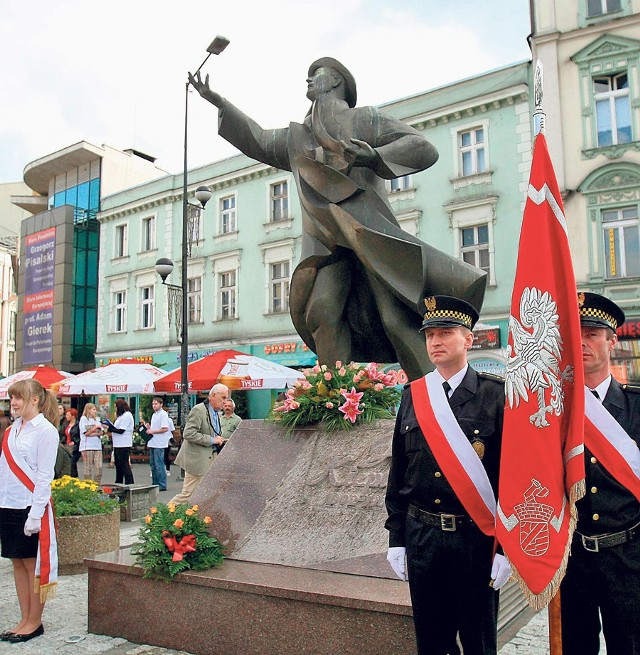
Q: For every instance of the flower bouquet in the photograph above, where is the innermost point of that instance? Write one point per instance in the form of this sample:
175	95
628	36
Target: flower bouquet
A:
74	497
337	397
175	538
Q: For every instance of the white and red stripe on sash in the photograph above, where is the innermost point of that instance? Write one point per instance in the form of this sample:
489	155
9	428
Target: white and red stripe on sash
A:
47	559
453	452
611	445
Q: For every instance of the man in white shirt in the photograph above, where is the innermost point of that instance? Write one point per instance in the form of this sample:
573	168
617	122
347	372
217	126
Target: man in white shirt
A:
159	428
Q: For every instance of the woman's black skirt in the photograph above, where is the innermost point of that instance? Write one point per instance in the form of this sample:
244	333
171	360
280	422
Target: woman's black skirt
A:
14	544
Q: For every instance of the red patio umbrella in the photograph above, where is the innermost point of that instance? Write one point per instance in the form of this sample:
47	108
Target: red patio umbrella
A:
46	376
236	369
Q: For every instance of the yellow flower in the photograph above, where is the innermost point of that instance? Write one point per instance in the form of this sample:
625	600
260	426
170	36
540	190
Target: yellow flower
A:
148	519
171	507
207	519
195	508
153	510
189	512
178	523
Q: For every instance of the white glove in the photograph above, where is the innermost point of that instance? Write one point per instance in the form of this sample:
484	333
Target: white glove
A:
32	526
395	557
500	571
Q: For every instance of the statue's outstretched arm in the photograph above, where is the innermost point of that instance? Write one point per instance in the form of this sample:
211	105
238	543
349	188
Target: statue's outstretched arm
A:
205	90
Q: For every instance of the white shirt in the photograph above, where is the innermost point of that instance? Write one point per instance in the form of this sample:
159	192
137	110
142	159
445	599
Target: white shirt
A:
126	423
455	380
37	443
160	419
89	443
602	388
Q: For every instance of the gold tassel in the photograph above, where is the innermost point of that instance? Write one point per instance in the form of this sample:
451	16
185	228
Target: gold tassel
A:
45	591
541	600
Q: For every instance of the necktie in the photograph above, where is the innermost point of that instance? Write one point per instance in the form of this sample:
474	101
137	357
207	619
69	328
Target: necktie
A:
447	388
595	393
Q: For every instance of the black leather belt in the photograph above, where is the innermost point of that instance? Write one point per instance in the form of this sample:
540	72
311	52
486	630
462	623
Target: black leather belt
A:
594	543
446	522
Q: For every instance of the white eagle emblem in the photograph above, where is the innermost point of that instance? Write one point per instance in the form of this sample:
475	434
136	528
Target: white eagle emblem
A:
533	363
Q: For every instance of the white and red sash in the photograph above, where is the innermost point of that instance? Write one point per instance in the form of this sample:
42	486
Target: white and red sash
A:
611	444
453	452
47	558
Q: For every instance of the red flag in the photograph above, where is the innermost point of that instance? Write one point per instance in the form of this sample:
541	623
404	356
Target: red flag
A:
542	462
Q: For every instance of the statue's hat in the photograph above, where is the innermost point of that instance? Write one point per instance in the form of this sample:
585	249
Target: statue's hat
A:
597	311
446	311
349	81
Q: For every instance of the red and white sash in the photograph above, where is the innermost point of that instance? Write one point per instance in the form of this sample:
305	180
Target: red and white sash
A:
611	445
453	452
47	558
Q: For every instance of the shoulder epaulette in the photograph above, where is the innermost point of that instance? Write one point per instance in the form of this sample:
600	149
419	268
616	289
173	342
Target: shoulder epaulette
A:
491	376
631	388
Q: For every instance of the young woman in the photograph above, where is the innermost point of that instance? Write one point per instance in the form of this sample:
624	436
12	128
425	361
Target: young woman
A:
91	443
72	439
27	533
122	437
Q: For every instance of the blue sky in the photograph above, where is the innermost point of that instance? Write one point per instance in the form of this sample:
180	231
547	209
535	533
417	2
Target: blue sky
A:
115	73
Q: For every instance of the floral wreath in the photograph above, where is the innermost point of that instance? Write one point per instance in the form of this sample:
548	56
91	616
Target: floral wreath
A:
173	539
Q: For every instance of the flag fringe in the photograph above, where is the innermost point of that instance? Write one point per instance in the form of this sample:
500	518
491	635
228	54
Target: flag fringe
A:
541	600
46	591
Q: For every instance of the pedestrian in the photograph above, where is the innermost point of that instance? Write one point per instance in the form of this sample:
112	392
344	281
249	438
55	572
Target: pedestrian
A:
159	429
91	432
122	440
167	450
445	455
27	530
202	436
72	439
601	589
229	420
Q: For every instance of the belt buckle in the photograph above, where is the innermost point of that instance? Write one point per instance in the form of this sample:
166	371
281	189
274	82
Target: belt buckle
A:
593	540
448	522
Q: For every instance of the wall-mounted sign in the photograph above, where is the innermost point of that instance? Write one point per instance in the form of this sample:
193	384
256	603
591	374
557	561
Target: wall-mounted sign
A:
630	329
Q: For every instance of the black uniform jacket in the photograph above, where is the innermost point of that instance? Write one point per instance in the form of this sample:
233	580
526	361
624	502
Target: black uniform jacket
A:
608	506
415	477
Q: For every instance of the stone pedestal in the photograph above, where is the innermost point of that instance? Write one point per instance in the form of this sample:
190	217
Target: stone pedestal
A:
136	499
80	537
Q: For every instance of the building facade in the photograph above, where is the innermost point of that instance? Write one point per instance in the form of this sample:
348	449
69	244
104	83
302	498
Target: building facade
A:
590	51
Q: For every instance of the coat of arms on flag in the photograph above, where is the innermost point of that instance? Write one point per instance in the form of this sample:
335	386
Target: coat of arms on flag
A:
542	468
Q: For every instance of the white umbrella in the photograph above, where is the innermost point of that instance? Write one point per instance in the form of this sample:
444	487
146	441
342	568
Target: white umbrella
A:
124	377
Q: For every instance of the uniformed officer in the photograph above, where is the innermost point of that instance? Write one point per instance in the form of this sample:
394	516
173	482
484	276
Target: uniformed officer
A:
445	461
603	572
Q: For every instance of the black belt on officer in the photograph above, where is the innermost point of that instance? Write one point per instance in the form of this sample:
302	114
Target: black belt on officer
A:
446	522
596	542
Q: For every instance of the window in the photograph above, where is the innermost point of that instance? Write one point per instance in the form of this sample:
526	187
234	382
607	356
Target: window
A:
599	7
279	287
472	152
147	305
228	215
148	234
621	242
474	246
120	311
279	201
121	245
194	299
400	183
227	302
613	109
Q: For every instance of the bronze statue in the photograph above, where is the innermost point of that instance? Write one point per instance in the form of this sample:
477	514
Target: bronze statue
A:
355	292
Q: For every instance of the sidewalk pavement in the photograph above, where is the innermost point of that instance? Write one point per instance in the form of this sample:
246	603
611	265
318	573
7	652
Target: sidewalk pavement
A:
65	617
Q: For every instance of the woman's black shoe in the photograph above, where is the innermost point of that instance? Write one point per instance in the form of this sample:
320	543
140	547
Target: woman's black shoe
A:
6	634
17	638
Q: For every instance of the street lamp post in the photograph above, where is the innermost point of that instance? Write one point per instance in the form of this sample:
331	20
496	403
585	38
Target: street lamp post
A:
165	266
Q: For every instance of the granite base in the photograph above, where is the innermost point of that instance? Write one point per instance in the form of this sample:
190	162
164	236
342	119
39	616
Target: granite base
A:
252	608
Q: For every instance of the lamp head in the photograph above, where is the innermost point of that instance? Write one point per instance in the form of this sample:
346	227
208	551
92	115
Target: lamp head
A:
203	195
163	268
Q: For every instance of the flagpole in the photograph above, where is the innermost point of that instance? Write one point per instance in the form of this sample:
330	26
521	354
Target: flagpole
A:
554	608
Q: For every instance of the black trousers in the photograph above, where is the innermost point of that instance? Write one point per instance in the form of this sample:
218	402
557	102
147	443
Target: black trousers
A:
123	468
606	583
75	456
449	574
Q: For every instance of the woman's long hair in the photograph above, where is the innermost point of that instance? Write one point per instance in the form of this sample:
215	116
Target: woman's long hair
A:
121	407
87	407
47	401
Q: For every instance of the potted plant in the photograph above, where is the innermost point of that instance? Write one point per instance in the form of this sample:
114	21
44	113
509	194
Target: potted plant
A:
88	521
338	397
176	538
